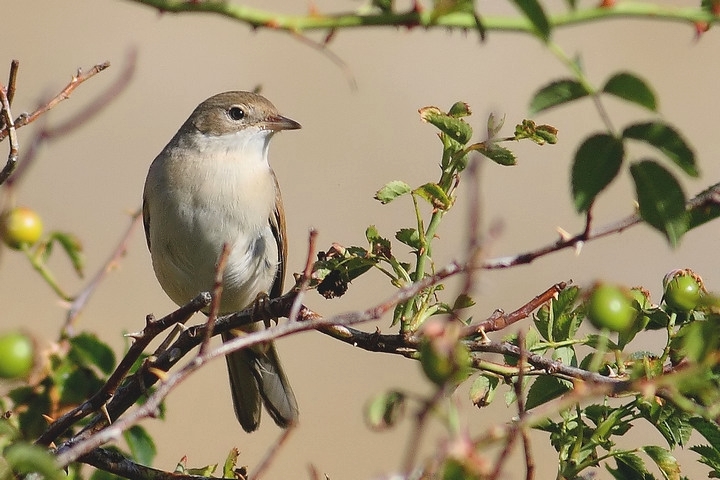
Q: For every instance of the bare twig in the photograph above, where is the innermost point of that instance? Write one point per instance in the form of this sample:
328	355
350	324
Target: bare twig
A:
529	463
307	276
413	442
12	81
82	298
142	339
95	435
710	196
8	131
64	94
499	320
271	454
515	431
45	133
216	297
334	58
473	222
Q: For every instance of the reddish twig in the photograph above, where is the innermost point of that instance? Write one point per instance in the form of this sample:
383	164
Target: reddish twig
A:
216	297
499	320
64	94
301	288
45	134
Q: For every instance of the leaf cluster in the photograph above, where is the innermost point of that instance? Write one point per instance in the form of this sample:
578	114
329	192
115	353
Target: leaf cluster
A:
431	201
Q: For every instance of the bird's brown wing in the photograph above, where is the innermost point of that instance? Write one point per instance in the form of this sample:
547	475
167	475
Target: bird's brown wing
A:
277	224
146	221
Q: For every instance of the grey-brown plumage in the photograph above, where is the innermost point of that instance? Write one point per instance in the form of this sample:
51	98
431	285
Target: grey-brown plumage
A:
212	185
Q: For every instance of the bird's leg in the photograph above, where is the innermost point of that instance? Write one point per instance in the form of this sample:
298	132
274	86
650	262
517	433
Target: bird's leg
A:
261	309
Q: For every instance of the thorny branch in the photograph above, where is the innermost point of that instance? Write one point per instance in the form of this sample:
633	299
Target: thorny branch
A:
114	462
340	326
708	199
46	134
64	94
416	16
98	432
141	340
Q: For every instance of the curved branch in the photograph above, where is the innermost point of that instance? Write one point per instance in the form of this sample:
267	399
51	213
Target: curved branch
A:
114	462
428	18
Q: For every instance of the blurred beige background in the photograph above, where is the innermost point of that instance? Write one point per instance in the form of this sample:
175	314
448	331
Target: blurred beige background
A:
352	142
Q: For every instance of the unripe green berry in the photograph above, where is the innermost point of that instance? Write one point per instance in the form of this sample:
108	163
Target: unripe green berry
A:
611	307
16	355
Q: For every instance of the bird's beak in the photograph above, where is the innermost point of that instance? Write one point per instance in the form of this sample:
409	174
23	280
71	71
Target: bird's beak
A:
279	122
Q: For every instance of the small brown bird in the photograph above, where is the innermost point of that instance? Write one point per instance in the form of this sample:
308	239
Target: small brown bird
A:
212	185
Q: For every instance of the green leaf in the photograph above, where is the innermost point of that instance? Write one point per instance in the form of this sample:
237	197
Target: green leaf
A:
661	199
391	191
204	471
709	430
534	12
141	444
453	127
710	457
631	88
483	389
435	195
460	109
668	140
24	458
566	319
379	245
667	464
594	340
498	154
557	93
597	162
409	236
672	423
540	134
230	463
463	301
385	410
607	426
630	467
88	350
566	355
544	389
384	6
74	385
73	248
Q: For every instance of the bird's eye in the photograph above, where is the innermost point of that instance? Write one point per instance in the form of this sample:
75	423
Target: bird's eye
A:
236	113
